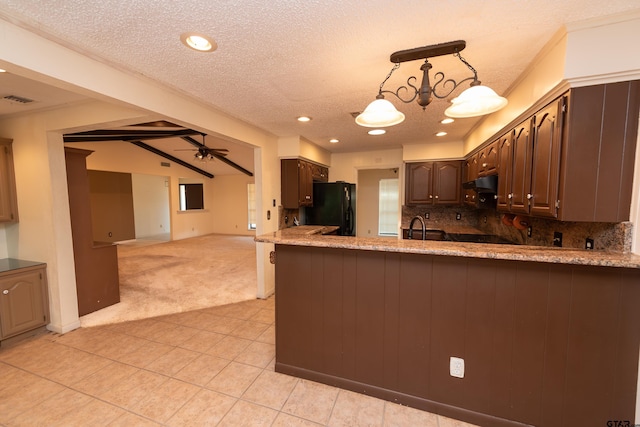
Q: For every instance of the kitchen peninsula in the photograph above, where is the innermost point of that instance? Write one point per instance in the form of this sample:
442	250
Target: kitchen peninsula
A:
547	336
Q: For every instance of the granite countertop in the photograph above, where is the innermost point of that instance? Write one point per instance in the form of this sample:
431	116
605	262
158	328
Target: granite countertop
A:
310	230
291	236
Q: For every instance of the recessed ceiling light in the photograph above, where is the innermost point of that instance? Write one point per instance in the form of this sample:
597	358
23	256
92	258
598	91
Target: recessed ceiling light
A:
334	140
304	119
198	42
377	132
441	134
447	121
2	71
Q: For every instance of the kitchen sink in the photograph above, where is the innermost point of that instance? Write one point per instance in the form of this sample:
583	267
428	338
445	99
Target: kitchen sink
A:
429	235
477	238
455	237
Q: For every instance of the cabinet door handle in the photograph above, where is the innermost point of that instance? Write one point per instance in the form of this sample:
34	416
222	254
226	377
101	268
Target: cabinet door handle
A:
484	165
5	292
436	197
430	196
307	197
510	196
529	196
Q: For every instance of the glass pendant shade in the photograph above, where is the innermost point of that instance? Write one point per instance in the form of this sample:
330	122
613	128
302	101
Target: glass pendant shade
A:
478	100
380	113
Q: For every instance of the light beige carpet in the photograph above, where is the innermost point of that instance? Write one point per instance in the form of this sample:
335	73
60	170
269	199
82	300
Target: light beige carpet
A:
182	275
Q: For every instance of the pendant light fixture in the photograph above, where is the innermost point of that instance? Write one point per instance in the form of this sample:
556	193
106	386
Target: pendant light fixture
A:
478	100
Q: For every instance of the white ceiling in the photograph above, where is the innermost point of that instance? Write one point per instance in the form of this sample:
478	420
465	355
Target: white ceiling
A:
281	59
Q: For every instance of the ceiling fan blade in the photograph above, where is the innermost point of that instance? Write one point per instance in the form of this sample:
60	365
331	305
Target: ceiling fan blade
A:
186	149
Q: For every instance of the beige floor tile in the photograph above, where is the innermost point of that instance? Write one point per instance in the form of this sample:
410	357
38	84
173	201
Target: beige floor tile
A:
450	422
128	392
219	324
175	335
104	379
94	413
145	354
206	408
242	310
311	401
400	416
172	362
268	336
75	367
202	370
132	420
270	389
51	411
163	402
249	330
145	327
188	318
202	341
354	409
234	379
264	316
119	345
21	390
257	354
247	414
286	420
229	347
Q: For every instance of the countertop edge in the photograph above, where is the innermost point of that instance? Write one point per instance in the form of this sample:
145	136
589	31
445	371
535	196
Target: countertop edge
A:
468	250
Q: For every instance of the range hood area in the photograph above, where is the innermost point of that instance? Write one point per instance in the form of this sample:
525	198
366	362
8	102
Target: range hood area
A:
484	184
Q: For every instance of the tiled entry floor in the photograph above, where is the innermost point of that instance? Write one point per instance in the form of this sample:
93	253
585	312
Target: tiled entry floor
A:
211	367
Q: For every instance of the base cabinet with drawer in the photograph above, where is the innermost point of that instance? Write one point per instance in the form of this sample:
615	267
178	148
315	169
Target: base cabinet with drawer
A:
23	297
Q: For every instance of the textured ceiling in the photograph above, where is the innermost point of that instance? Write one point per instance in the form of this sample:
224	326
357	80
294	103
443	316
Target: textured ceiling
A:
281	59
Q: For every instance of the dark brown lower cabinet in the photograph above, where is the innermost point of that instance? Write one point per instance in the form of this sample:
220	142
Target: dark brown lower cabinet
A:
543	344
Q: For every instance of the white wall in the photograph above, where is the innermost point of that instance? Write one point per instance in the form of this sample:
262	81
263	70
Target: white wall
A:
150	204
368	200
345	166
231	205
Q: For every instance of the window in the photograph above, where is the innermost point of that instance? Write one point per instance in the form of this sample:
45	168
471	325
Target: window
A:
251	214
388	207
191	197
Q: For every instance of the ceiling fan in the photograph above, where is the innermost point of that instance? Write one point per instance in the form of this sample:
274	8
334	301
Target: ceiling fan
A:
203	153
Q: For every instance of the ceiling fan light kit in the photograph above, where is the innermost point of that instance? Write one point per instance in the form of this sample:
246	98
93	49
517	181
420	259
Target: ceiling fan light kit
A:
478	100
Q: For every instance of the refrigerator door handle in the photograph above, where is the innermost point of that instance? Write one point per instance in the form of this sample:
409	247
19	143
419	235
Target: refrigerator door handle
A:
348	221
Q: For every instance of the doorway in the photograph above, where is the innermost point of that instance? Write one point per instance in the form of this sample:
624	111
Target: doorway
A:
378	210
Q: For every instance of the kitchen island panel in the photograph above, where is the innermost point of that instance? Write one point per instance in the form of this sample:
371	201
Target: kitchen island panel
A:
414	311
543	344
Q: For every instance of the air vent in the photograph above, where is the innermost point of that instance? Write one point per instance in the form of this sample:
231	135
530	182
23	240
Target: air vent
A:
17	99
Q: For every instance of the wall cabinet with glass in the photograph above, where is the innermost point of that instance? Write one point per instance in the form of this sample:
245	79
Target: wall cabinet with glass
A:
433	183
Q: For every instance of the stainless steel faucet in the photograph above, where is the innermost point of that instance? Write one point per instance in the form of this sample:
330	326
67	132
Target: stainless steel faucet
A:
424	227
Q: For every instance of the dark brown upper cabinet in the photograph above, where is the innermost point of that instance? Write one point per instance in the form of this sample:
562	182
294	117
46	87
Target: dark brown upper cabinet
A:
470	174
488	160
297	177
433	183
8	197
573	159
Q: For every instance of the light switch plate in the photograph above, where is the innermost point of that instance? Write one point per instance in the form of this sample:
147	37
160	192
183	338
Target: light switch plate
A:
456	367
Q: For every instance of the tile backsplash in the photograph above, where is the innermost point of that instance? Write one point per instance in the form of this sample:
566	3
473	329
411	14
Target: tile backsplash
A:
614	237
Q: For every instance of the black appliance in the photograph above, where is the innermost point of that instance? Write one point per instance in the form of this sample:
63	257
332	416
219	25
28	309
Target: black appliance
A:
334	203
487	188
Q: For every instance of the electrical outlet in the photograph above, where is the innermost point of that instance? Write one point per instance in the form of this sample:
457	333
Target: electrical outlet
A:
529	231
557	239
426	215
458	216
456	367
588	244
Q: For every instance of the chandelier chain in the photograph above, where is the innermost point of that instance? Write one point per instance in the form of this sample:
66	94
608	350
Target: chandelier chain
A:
475	73
395	67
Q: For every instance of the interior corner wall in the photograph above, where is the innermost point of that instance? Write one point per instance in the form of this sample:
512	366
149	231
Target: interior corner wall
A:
345	166
231	205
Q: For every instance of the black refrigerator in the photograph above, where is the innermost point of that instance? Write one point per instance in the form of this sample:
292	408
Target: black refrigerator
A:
334	203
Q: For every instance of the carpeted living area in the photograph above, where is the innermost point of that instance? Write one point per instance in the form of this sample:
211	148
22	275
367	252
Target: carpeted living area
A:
182	275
